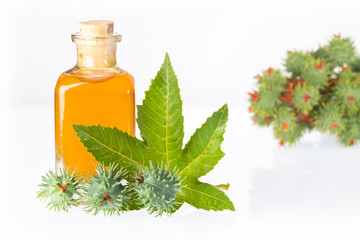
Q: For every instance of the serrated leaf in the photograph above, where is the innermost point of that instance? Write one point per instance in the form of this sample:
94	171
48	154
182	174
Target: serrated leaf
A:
203	151
160	118
110	145
161	126
205	196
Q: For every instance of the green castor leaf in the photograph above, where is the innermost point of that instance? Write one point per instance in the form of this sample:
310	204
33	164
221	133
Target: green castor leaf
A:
204	196
203	151
160	122
110	145
160	118
156	188
60	190
105	191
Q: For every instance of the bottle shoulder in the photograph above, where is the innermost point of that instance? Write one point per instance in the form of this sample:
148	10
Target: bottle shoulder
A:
94	74
114	76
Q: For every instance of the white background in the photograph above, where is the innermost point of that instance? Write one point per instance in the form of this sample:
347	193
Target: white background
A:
310	191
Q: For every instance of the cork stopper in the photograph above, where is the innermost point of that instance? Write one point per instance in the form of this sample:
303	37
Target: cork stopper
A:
96	44
96	32
97	28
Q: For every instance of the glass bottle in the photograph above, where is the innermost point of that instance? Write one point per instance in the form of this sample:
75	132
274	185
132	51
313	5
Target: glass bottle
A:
95	91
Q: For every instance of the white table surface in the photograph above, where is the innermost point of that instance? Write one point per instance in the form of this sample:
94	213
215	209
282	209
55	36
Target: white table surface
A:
309	191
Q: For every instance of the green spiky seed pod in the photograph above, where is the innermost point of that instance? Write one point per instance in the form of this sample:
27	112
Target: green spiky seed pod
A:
285	119
60	190
323	92
292	135
272	79
156	188
355	64
262	120
305	98
330	118
347	92
316	73
321	53
295	62
340	51
266	102
106	192
351	133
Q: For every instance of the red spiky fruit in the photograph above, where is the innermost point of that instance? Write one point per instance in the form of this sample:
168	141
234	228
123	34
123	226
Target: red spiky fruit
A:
320	65
267	120
254	96
270	70
351	98
337	36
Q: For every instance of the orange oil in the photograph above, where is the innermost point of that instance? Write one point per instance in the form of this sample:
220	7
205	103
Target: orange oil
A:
86	96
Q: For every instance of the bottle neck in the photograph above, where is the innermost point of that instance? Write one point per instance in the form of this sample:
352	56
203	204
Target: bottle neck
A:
96	56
